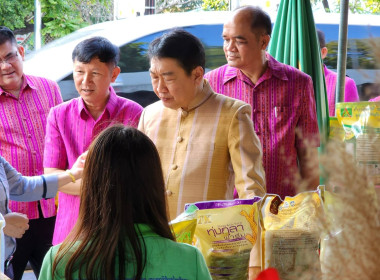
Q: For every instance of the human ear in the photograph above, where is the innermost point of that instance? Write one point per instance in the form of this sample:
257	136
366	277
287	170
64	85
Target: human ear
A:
265	41
198	73
21	51
115	73
324	52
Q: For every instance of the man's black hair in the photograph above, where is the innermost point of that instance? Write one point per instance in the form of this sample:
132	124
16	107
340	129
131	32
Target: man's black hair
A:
181	46
96	47
321	38
259	18
6	35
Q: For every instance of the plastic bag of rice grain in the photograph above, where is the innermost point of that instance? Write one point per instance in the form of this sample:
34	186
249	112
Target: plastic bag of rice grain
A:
290	236
225	233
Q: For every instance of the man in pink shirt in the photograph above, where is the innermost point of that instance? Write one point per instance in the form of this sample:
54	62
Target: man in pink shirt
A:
282	99
25	102
376	99
72	125
350	89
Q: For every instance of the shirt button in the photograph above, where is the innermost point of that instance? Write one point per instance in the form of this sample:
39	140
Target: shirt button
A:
179	139
174	166
34	152
30	135
185	113
169	192
24	118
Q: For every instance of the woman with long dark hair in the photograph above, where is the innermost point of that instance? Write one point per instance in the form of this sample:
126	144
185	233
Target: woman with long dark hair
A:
122	231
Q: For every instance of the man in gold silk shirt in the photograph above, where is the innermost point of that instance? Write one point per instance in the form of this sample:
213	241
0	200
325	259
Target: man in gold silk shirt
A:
206	141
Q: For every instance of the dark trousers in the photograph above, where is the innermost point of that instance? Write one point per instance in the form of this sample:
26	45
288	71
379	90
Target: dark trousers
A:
33	246
8	270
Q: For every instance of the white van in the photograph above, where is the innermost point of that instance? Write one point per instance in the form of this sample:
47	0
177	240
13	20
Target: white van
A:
133	36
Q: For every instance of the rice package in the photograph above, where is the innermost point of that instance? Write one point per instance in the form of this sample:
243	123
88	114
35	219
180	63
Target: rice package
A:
361	124
336	130
290	237
184	225
226	232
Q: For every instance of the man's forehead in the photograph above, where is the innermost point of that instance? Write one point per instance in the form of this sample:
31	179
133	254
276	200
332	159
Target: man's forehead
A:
161	71
94	62
7	48
242	31
163	65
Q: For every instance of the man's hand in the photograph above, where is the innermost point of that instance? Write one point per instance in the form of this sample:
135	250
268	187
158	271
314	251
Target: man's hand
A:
16	224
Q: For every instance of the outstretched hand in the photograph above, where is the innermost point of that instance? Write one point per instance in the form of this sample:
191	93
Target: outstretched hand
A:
15	224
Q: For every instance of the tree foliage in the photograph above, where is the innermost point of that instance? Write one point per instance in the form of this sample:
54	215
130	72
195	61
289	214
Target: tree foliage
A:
215	5
165	6
15	14
365	7
172	6
59	17
355	6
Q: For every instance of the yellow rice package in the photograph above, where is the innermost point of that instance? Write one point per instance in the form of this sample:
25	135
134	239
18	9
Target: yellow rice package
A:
361	124
289	234
336	130
226	232
184	225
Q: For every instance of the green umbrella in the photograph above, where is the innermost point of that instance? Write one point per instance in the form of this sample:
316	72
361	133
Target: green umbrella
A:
294	42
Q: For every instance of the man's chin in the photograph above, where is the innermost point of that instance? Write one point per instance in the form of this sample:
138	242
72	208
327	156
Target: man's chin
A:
233	63
170	104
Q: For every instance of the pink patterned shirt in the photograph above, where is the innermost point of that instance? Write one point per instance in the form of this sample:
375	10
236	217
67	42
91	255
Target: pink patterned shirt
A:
282	102
350	90
69	132
22	134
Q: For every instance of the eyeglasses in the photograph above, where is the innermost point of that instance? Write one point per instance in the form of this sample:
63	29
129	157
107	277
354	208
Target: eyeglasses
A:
10	59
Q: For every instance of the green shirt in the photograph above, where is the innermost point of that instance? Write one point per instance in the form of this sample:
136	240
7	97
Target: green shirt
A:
166	259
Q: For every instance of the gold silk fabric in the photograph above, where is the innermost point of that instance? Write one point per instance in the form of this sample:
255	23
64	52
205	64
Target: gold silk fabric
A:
206	150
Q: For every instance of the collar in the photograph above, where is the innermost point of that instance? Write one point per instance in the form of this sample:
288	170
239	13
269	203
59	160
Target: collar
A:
111	106
201	97
26	82
326	70
274	68
145	230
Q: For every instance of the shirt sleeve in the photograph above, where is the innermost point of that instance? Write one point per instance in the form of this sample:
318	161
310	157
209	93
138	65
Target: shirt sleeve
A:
350	91
22	188
201	267
55	155
246	155
307	125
